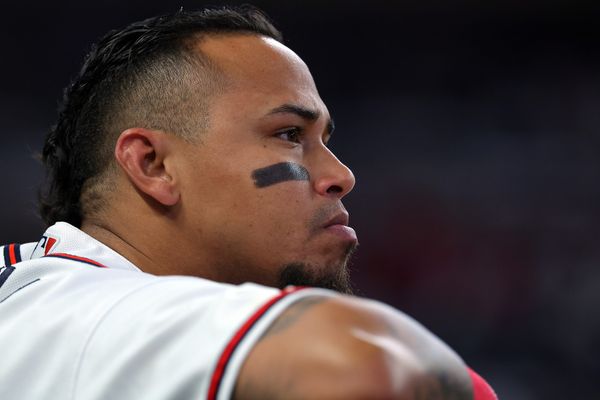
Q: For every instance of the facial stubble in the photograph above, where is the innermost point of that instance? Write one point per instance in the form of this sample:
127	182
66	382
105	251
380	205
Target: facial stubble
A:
333	277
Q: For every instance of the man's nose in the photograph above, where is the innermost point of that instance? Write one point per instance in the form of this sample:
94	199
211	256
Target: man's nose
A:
330	176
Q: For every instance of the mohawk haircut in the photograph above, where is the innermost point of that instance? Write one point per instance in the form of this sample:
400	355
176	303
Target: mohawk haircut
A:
148	75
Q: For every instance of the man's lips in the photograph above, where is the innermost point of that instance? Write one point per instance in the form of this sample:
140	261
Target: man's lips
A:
339	219
338	225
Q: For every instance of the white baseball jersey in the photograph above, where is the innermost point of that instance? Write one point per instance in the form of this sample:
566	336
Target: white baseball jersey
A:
79	321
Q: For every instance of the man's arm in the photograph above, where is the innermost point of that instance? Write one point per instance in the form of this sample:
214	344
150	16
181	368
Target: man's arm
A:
349	348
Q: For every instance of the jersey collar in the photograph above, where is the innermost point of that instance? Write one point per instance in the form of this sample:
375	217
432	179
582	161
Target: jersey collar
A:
64	238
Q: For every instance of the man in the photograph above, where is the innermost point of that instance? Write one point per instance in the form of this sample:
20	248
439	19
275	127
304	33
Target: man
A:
190	157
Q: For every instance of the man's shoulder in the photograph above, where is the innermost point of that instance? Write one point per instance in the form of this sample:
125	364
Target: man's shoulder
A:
12	253
63	273
66	280
110	318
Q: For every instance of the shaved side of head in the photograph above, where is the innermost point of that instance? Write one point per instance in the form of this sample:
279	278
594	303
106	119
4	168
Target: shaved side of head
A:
150	74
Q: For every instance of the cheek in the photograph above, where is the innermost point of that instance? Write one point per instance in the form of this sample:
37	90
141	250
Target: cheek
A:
284	207
214	195
280	215
226	194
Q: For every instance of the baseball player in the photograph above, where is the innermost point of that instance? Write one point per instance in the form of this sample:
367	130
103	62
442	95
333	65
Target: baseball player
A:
197	243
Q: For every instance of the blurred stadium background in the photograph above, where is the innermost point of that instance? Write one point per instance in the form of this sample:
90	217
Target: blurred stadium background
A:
472	129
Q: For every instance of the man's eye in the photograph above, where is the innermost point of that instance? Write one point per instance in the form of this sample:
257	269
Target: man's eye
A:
291	134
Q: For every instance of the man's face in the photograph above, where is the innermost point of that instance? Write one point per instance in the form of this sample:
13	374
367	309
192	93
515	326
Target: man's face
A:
261	192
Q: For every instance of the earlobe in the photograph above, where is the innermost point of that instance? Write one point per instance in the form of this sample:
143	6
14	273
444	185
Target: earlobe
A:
143	155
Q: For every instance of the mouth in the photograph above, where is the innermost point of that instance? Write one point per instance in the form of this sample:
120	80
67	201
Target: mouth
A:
339	219
338	225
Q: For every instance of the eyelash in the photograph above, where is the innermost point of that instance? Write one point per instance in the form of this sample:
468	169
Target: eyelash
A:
294	134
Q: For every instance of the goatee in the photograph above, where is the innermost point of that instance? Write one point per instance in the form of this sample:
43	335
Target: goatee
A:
335	278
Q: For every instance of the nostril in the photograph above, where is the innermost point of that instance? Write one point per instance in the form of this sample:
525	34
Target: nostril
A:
335	189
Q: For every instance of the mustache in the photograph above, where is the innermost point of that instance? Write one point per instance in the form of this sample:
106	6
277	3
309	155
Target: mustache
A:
323	215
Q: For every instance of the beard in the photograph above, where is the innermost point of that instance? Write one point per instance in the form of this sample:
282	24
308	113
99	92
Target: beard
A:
332	277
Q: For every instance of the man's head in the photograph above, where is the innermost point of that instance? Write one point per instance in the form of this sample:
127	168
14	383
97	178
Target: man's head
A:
148	74
202	133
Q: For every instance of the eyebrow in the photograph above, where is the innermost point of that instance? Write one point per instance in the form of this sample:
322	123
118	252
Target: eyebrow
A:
302	112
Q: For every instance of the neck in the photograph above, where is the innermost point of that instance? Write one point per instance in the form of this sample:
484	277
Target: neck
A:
156	244
119	242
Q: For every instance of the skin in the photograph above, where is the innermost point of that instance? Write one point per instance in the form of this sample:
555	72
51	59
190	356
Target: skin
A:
348	348
280	172
206	189
195	209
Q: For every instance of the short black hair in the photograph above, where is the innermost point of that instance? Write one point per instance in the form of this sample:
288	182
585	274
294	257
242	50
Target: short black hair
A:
135	76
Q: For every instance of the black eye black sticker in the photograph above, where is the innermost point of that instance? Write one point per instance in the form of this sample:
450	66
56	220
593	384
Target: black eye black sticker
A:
277	173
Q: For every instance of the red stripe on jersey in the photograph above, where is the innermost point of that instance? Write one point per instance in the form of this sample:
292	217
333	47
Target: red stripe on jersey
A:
77	258
481	389
49	244
215	381
12	255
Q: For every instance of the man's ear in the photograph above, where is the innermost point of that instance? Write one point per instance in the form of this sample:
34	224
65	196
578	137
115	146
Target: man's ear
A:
143	155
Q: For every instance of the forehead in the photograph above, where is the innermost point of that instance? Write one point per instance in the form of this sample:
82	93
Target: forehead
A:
262	70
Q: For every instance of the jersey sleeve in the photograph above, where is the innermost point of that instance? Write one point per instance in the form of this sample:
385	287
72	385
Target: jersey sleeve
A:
15	253
179	338
481	389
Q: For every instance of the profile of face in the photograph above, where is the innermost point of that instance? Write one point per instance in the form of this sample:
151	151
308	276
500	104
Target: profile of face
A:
261	191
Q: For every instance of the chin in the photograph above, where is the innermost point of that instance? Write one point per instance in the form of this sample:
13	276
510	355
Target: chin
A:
334	276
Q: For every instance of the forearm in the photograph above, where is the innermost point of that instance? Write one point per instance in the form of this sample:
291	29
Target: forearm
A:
346	348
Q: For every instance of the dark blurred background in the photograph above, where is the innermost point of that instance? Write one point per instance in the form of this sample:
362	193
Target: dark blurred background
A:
472	129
